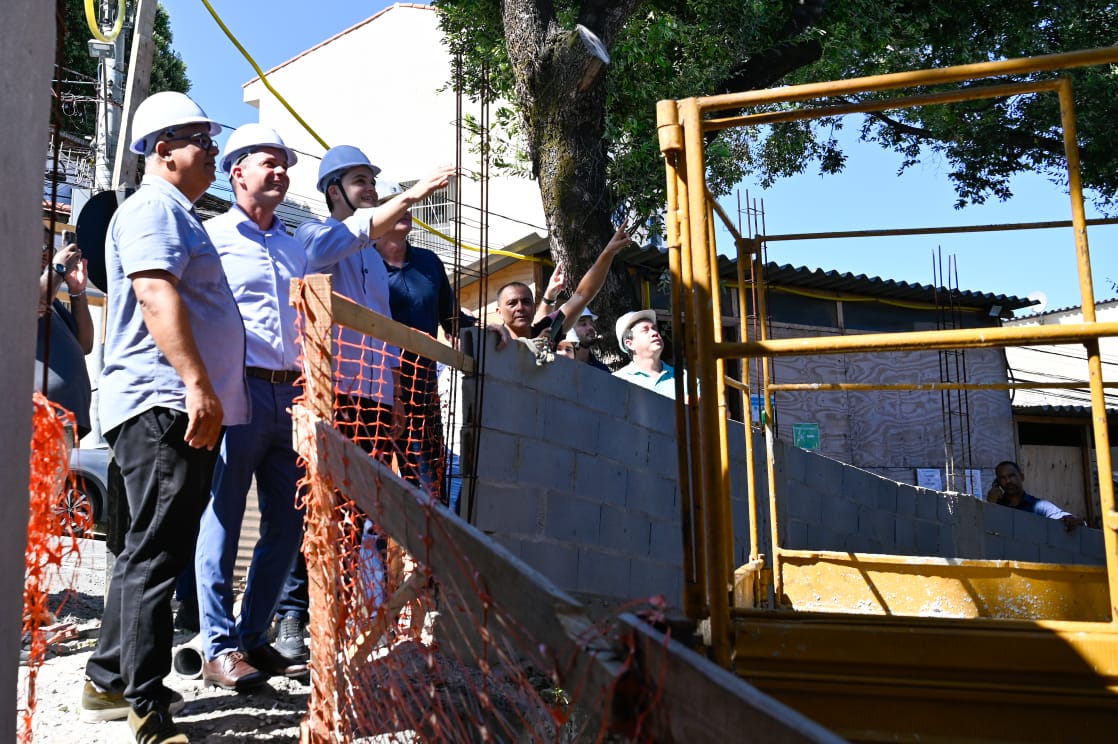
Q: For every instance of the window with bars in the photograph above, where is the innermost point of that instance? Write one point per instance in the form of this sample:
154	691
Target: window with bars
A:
438	210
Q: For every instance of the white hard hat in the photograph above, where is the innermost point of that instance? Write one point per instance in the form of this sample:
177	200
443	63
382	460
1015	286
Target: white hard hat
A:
627	321
387	190
162	111
248	139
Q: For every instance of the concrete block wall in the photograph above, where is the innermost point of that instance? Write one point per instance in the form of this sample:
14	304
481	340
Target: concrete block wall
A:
577	476
829	505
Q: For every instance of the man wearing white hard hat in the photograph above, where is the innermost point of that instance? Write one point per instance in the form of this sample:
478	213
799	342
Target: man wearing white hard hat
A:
260	260
173	379
638	336
367	405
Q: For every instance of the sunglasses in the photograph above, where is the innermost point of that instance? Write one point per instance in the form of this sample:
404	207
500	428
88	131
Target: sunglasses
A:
202	139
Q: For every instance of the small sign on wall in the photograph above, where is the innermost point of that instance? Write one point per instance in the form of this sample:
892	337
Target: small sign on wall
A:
974	483
929	478
805	436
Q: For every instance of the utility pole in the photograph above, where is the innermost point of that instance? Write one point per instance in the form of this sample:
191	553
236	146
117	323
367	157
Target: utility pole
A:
139	80
108	101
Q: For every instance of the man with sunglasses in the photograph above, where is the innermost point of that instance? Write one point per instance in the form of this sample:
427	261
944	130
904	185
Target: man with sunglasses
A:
173	379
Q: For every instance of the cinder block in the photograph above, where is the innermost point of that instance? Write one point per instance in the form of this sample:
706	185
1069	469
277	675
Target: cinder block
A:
859	486
567	424
555	561
948	542
905	537
651	494
498	455
794	461
621	441
823	474
601	479
571	519
997	519
801	501
822	538
927	538
927	504
1049	554
603	573
625	532
667	542
948	507
663	455
1058	536
1029	527
906	500
508	542
651	411
840	515
509	408
877	525
796	535
652	578
1091	544
1019	551
886	495
995	546
508	510
604	393
546	465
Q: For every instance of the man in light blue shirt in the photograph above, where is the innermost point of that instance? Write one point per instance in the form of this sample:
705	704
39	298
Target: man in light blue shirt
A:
173	378
260	260
638	336
367	408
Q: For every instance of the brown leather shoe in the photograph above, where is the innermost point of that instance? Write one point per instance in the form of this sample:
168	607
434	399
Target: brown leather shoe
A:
231	671
272	662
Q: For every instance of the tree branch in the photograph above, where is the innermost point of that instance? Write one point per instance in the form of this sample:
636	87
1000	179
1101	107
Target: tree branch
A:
1014	139
764	69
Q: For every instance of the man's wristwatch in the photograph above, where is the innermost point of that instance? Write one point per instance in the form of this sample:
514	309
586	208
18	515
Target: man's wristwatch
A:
60	269
548	301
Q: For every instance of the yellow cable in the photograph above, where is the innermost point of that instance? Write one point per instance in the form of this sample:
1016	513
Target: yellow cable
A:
95	28
839	296
286	105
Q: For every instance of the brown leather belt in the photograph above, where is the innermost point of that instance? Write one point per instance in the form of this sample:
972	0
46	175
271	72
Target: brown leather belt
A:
274	376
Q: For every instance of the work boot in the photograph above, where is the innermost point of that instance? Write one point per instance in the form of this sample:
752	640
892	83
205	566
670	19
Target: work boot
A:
155	728
289	639
111	706
270	661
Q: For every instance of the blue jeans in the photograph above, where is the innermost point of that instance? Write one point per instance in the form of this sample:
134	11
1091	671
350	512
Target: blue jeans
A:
262	448
167	485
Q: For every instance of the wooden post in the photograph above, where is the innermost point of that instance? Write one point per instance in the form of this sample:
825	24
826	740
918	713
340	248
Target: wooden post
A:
322	536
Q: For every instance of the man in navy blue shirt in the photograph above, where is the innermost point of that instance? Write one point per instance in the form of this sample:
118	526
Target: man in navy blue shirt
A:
1009	490
421	297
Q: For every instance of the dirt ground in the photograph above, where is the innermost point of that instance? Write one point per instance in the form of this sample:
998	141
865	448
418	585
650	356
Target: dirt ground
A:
212	715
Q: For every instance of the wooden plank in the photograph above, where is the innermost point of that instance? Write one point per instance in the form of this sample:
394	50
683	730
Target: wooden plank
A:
555	621
1056	473
360	318
698	700
461	557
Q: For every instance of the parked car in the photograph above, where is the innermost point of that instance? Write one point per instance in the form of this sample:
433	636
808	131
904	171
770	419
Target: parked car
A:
81	504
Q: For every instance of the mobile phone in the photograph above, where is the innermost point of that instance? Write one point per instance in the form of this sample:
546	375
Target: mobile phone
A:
69	236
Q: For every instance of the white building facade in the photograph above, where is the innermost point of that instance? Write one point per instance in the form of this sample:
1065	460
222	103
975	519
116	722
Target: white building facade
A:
383	85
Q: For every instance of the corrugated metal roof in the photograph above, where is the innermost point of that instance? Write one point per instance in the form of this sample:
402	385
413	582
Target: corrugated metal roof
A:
787	275
1059	411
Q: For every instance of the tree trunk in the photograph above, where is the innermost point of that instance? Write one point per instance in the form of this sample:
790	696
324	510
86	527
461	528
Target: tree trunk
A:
561	87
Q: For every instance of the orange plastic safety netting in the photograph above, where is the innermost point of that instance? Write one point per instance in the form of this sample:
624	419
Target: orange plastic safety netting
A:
423	629
51	529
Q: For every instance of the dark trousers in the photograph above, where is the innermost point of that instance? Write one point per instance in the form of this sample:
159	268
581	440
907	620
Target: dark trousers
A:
369	424
167	483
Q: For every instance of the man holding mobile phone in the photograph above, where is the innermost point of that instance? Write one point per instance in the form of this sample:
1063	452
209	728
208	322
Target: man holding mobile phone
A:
1009	490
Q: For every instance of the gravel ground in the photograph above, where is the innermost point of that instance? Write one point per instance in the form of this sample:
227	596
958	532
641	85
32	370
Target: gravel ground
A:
271	713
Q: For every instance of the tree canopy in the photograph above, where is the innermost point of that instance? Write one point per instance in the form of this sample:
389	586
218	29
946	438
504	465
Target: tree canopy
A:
589	136
79	87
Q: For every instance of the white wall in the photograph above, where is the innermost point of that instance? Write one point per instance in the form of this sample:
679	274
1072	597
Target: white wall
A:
1064	363
377	86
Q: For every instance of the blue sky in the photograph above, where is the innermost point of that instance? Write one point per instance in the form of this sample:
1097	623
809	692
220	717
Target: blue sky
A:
868	195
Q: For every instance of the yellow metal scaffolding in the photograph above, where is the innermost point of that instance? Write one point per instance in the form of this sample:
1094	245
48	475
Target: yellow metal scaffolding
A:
740	637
